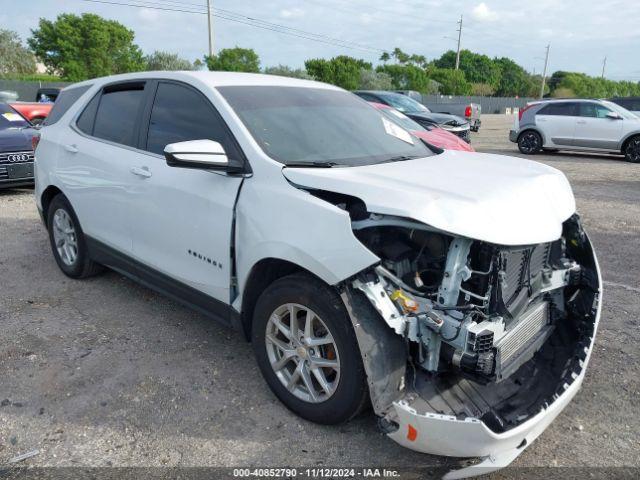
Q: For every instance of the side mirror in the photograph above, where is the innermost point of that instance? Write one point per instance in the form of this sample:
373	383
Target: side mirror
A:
199	154
614	116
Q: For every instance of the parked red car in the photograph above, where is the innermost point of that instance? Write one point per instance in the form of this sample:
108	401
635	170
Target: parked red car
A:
35	112
434	135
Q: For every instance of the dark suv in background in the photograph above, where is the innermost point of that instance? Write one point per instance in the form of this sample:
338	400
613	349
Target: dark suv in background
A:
418	112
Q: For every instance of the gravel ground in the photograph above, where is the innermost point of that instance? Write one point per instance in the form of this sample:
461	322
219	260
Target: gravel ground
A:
103	372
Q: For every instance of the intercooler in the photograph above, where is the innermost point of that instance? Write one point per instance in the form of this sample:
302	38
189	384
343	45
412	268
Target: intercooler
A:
523	339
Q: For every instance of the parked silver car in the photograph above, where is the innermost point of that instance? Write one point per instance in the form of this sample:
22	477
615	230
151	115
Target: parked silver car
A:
576	124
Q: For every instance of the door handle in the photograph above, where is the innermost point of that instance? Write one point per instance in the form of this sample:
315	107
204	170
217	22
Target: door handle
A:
143	172
71	148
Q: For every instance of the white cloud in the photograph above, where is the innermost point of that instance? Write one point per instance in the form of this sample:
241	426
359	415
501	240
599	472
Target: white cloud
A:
291	12
148	15
366	18
482	12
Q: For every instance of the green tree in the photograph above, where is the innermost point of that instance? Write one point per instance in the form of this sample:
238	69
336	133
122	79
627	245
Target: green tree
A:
87	46
234	60
284	71
167	61
477	68
372	80
343	71
15	59
514	80
452	82
385	57
406	77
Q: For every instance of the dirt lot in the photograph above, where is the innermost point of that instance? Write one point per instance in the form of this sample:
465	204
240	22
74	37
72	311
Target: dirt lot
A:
104	372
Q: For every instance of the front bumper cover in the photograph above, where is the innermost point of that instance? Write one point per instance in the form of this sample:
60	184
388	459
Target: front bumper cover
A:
447	435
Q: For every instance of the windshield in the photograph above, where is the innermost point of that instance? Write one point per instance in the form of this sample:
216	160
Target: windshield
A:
624	113
320	127
403	103
9	118
401	119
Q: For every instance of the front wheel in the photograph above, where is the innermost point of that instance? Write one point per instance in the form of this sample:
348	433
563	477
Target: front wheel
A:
307	351
529	142
632	150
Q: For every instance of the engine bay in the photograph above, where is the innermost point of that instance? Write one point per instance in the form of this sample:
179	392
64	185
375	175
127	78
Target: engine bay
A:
468	305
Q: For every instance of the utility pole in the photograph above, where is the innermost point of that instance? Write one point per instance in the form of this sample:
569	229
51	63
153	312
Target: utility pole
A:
604	64
459	37
210	30
544	74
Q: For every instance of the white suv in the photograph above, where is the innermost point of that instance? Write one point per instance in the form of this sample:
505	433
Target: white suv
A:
583	125
455	292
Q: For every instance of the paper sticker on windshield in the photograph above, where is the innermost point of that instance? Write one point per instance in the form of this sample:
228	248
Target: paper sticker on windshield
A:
396	131
13	117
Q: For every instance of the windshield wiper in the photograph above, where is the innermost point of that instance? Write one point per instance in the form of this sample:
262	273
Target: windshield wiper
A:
401	158
313	164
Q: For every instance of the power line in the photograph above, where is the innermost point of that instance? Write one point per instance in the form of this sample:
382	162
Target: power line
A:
243	19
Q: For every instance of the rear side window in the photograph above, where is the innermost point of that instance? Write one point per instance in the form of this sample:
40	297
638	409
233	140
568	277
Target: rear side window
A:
65	100
117	115
180	114
563	109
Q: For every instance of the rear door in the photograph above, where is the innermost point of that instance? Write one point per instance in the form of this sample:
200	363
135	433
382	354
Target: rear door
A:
182	218
557	121
99	152
595	130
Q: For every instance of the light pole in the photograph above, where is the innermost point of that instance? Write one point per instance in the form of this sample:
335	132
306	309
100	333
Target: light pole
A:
210	28
459	37
544	74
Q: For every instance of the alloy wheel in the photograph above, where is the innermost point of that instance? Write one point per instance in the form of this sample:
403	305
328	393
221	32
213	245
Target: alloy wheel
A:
529	142
302	353
633	150
65	237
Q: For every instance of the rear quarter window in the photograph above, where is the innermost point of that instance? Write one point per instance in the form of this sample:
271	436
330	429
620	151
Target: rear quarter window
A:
65	100
561	109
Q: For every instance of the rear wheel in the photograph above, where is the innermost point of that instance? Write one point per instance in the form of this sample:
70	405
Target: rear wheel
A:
307	351
67	240
529	142
632	150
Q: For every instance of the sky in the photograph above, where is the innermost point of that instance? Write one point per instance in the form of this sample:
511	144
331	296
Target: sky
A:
581	32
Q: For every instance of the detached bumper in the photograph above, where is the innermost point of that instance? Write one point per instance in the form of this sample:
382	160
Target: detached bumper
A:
513	136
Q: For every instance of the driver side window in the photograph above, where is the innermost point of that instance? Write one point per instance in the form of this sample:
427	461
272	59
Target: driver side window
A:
180	114
593	110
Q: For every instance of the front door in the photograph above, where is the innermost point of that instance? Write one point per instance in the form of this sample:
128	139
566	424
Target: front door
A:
595	130
182	218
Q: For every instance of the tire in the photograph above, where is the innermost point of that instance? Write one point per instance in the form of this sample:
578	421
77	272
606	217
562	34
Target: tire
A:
529	142
632	150
347	392
67	240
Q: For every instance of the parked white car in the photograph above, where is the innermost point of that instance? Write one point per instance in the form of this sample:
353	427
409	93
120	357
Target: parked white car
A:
455	292
583	125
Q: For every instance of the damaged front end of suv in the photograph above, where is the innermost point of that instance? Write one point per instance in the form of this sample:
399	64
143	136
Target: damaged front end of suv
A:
477	323
489	341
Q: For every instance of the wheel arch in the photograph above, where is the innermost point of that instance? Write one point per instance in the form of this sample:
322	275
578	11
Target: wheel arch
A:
530	128
45	200
261	275
625	140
